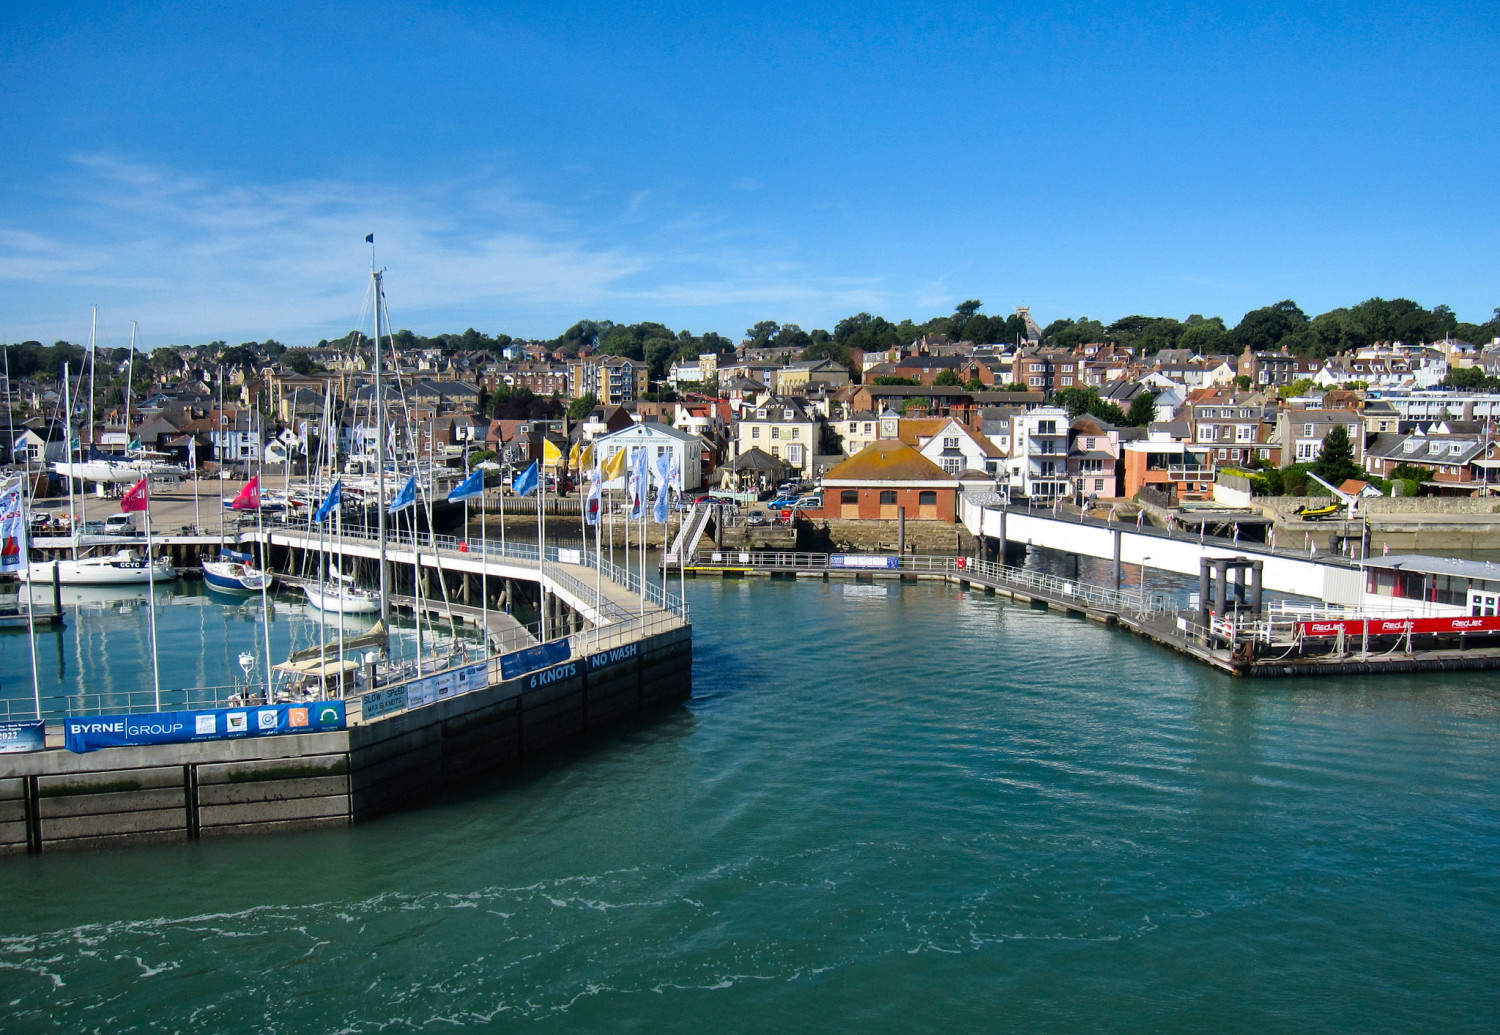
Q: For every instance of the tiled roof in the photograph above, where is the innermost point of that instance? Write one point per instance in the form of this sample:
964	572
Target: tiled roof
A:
887	462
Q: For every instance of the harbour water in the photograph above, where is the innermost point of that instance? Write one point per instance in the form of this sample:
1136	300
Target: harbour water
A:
101	658
886	808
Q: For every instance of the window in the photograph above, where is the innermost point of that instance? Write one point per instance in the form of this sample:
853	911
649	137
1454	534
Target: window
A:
775	433
1307	429
1034	382
887	497
950	441
755	432
1223	454
869	429
794	455
795	431
849	497
1307	451
1047	427
1067	379
952	464
1088	443
1245	433
776	452
927	498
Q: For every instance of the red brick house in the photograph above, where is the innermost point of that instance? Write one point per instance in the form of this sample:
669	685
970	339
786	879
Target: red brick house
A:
882	478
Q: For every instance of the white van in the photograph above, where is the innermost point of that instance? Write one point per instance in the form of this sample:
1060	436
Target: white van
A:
120	524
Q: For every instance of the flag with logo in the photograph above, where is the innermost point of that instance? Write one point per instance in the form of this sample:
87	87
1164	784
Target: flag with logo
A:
594	504
470	487
526	482
333	502
192	454
138	498
640	482
13	528
407	497
249	496
302	438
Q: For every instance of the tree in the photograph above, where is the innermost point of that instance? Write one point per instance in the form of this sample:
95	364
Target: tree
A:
1262	330
973	384
892	379
299	362
581	407
1142	410
1243	382
947	378
761	334
1335	461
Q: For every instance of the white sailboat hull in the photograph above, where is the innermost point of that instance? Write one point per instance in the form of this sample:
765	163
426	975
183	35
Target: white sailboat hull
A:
116	472
341	600
120	569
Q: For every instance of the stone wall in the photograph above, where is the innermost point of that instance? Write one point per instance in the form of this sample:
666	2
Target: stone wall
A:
1284	505
935	537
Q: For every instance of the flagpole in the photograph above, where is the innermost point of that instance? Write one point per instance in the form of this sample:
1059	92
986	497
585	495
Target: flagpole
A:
151	592
541	549
25	549
484	570
265	570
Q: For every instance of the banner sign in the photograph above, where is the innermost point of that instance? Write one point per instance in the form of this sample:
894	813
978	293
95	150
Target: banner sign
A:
442	685
604	659
101	731
533	658
1397	626
22	736
386	700
856	560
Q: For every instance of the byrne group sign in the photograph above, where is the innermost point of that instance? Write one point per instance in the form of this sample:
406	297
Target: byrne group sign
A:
101	731
1400	626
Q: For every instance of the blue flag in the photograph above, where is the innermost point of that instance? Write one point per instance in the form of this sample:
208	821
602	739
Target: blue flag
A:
470	487
664	488
525	483
332	503
407	497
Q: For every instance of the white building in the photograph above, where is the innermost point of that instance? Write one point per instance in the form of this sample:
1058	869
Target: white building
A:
656	439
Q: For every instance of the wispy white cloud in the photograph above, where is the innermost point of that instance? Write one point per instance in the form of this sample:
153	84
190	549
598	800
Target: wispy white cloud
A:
196	259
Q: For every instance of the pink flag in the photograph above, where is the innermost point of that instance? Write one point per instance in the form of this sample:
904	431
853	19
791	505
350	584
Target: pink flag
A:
249	497
136	499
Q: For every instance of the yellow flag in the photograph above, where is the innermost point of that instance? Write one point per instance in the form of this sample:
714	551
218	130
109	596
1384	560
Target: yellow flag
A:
551	455
586	457
614	467
573	455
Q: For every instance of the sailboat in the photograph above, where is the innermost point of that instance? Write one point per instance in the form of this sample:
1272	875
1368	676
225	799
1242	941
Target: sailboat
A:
235	572
339	595
123	567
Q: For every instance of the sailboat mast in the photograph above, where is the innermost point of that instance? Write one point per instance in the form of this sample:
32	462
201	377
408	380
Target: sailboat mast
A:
385	606
73	529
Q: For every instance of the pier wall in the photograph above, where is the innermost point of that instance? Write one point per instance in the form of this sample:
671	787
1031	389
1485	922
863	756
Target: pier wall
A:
56	799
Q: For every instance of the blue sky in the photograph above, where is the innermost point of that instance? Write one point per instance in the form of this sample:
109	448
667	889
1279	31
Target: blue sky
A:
211	170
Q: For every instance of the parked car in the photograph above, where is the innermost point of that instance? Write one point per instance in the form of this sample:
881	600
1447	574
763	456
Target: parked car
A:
757	518
814	502
782	501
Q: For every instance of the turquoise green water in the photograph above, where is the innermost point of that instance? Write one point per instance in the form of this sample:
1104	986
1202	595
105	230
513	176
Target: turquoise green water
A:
884	809
101	658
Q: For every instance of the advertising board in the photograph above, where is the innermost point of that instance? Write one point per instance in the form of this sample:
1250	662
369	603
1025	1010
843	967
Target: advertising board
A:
22	736
89	733
1397	626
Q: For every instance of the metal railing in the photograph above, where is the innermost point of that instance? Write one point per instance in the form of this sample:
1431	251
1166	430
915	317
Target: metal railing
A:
1102	598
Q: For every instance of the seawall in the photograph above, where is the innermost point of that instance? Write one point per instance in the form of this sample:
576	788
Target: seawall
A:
56	799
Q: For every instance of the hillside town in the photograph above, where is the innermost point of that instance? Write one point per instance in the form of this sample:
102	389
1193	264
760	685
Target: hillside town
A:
910	427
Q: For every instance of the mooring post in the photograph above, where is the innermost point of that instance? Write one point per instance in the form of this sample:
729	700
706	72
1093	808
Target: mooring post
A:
1118	537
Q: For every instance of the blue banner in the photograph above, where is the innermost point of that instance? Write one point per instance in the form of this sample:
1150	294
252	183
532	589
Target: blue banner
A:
533	658
22	736
101	731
